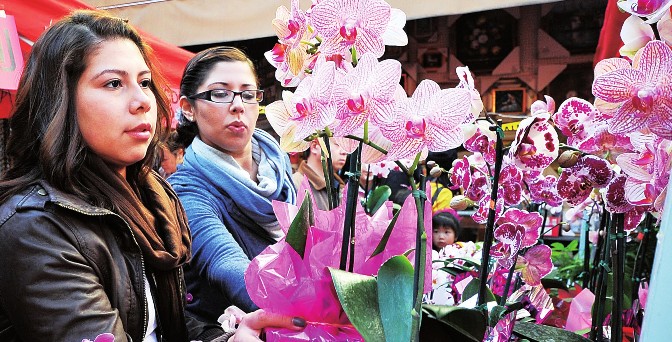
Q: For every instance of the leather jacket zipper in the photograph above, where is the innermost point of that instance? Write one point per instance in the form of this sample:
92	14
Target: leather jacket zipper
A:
142	259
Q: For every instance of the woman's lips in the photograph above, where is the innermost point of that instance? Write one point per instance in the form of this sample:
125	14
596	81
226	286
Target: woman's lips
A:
141	132
237	127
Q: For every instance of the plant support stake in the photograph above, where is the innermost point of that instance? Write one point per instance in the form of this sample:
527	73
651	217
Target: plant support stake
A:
490	226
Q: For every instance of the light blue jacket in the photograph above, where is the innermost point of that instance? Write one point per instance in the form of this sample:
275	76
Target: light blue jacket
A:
229	221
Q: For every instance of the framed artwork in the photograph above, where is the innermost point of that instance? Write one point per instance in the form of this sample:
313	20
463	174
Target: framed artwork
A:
509	100
432	59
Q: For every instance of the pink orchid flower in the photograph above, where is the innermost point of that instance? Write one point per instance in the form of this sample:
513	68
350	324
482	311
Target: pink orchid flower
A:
577	182
467	82
106	337
648	173
544	190
510	183
652	9
307	110
291	27
460	173
535	265
616	202
643	91
346	24
479	138
635	33
587	129
529	222
429	120
366	92
481	214
536	144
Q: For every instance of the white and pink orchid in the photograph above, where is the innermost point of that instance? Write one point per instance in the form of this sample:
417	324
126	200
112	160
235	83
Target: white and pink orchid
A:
644	91
429	120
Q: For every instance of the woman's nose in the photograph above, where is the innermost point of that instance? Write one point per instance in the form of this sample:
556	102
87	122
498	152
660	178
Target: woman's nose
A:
237	105
141	102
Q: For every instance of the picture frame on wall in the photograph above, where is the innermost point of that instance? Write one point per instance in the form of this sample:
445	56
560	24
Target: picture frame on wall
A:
510	101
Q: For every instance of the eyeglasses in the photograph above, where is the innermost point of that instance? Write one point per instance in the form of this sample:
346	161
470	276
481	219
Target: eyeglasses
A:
252	96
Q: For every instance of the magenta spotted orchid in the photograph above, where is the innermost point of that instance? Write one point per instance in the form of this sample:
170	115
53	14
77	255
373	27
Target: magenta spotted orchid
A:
616	202
643	90
536	144
577	182
479	138
653	10
529	222
429	120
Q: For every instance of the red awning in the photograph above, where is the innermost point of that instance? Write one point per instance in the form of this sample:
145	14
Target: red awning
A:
32	17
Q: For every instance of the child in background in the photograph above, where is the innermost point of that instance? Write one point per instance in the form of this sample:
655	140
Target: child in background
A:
445	229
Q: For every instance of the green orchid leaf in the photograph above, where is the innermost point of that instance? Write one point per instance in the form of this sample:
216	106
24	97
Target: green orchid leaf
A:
395	298
472	290
496	313
461	324
544	333
386	236
298	230
377	198
358	295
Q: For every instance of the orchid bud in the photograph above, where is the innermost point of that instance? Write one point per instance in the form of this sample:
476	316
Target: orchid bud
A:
435	172
461	202
569	158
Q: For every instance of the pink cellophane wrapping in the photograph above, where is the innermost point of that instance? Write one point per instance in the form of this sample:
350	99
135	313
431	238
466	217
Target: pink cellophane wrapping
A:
280	281
579	311
315	333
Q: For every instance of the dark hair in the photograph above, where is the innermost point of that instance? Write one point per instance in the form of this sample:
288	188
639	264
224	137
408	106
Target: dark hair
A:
447	220
194	75
45	141
174	143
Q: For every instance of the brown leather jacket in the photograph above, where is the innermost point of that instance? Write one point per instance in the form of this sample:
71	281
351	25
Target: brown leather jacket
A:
70	271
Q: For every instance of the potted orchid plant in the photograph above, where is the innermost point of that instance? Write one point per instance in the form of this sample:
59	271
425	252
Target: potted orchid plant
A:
357	274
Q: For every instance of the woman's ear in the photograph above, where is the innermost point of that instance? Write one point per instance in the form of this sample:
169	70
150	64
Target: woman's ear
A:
187	108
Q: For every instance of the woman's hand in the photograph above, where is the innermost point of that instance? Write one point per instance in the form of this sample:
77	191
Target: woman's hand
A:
251	325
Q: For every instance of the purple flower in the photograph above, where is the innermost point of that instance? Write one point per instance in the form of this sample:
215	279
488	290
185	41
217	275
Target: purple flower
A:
535	265
577	182
536	144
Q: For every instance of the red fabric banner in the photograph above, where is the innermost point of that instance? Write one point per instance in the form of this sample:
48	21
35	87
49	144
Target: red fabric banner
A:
11	59
610	35
34	16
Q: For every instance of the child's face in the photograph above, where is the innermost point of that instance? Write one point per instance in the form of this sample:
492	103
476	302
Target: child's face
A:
442	237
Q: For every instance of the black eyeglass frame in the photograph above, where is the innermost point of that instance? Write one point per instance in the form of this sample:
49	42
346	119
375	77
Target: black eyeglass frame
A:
207	95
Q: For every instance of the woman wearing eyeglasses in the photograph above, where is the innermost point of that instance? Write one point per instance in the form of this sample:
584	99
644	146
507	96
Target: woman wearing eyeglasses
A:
231	173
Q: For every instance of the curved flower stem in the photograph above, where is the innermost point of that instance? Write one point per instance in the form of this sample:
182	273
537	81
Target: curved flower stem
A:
601	285
638	273
328	170
420	247
369	143
509	278
490	226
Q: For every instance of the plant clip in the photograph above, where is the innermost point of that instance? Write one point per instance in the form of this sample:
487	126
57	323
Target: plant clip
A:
419	194
605	266
354	176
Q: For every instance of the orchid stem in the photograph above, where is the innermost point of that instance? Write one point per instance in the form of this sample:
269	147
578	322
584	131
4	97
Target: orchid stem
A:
328	169
490	225
350	210
420	251
619	274
601	286
369	143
